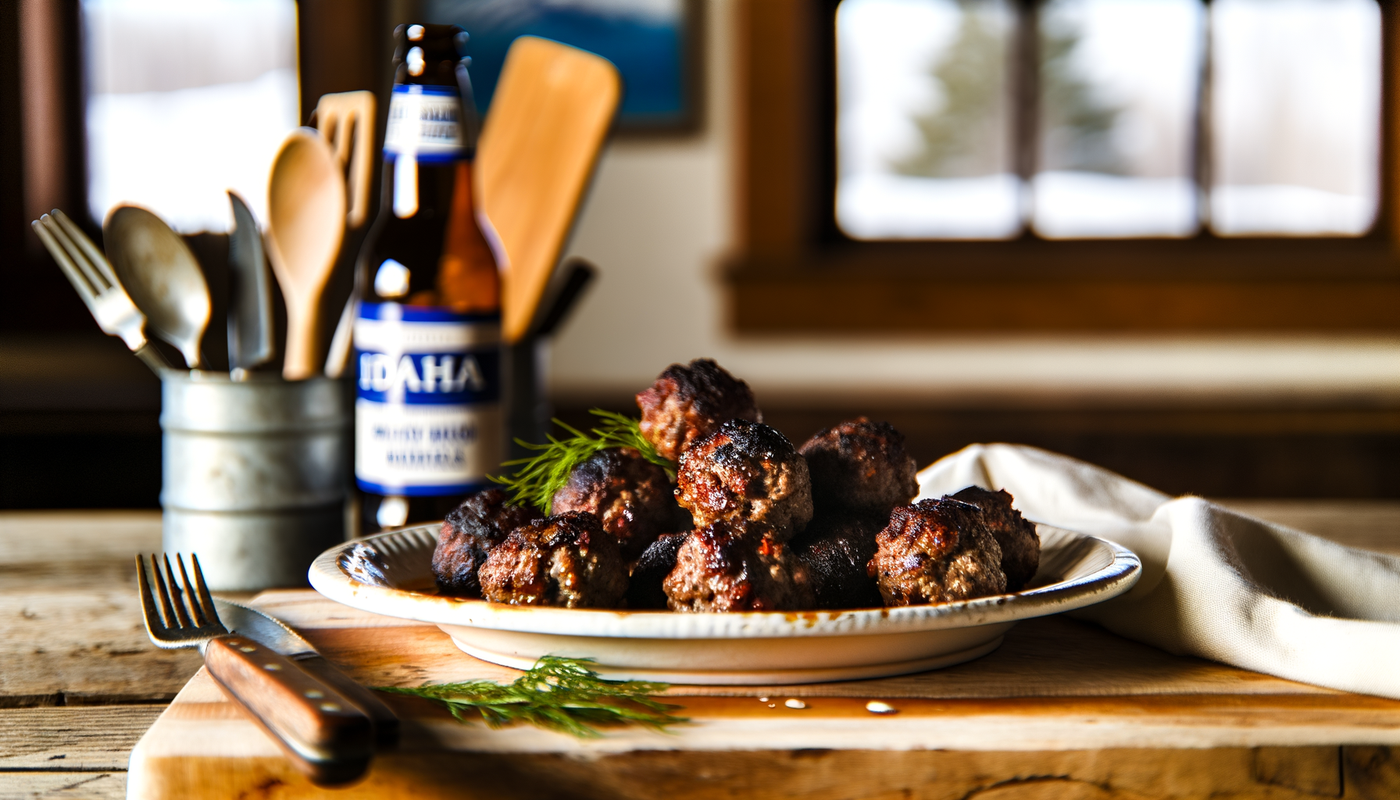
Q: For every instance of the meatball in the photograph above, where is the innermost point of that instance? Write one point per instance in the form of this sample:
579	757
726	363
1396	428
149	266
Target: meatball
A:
631	496
746	471
687	403
469	533
936	551
1020	544
729	566
836	548
644	589
860	465
565	560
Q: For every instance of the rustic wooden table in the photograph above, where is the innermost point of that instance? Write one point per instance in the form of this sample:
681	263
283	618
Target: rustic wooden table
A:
80	684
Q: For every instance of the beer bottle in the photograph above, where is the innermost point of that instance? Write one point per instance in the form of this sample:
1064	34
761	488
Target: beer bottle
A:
428	423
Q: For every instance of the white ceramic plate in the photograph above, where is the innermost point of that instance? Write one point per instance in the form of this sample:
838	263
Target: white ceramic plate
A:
742	648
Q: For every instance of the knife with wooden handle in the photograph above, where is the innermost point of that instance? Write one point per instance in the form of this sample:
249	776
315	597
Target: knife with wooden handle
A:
250	298
328	737
271	632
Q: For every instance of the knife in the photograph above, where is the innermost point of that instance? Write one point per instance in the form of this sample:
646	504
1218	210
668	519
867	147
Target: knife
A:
275	634
250	298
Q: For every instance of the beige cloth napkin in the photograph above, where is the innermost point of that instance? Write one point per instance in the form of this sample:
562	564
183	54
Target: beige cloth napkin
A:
1215	583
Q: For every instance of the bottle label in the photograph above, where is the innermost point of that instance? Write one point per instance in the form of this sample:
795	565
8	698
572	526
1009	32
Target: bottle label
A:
425	124
427	415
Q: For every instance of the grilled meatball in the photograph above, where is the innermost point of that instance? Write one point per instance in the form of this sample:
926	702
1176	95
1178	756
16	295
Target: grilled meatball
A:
565	560
860	465
730	566
936	551
687	403
836	547
1020	544
749	471
631	496
469	533
644	589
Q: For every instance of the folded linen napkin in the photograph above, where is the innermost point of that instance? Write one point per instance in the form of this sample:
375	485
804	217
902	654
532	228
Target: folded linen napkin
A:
1215	583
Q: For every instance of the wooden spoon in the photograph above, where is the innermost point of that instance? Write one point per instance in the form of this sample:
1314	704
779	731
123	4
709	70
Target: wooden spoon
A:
161	275
306	222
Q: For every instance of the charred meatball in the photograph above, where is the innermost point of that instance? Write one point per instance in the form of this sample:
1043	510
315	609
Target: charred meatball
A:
936	551
729	566
746	471
860	465
644	589
687	403
565	560
469	533
1020	544
836	548
631	496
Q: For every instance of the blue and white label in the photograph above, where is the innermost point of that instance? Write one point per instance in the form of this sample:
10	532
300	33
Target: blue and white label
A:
428	414
425	123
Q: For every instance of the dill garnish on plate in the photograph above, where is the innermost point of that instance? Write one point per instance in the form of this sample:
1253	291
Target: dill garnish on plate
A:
559	694
538	478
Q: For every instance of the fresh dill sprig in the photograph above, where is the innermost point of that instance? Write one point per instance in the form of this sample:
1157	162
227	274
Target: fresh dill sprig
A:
619	430
559	694
538	478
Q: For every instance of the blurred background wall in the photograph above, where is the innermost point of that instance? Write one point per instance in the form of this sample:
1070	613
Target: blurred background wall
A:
1236	414
1241	414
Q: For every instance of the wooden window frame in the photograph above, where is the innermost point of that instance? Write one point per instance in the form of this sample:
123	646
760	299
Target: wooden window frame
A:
342	45
794	272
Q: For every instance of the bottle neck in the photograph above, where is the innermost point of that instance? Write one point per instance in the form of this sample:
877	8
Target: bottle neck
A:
426	131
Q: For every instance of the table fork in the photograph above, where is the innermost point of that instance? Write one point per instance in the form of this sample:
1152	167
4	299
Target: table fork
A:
92	277
326	735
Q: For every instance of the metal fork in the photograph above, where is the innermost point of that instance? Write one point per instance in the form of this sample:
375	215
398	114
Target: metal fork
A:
326	735
91	275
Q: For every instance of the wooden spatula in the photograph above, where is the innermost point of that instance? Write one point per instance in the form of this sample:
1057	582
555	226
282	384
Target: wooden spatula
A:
346	120
548	119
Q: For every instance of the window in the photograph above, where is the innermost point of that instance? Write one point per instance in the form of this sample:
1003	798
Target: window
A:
1067	165
64	76
186	100
1149	118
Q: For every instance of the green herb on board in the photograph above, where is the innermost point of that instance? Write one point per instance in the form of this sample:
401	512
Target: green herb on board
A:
559	694
538	478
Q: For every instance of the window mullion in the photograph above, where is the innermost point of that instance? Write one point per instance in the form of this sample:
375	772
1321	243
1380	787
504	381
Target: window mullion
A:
1202	163
1025	111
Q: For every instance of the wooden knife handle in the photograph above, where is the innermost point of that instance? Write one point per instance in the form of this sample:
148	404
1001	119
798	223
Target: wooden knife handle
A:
386	723
326	735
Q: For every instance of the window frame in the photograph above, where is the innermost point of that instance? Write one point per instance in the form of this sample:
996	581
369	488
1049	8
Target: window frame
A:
796	272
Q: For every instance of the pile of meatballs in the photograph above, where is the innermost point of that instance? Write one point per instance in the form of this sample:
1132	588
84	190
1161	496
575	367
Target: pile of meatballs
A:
751	523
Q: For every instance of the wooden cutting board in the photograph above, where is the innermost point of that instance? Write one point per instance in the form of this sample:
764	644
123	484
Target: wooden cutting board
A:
1060	698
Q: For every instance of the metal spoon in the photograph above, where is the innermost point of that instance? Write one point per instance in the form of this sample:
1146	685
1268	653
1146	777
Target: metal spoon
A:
161	275
306	221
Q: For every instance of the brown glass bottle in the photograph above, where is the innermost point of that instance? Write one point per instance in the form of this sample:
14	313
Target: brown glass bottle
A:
427	337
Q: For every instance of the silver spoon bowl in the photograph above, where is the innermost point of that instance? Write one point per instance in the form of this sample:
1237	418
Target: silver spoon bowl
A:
161	275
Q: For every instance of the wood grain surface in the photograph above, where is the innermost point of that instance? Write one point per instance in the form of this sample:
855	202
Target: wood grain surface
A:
70	634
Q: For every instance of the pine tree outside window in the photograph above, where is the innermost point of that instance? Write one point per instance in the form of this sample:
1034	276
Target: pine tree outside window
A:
1107	119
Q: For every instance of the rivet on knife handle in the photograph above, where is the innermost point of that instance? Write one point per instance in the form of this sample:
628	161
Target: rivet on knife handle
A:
327	736
386	723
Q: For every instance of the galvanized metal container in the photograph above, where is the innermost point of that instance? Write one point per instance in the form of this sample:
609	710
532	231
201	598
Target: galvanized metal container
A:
255	474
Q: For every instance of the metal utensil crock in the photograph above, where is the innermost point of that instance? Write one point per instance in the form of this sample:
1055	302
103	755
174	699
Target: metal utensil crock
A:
255	474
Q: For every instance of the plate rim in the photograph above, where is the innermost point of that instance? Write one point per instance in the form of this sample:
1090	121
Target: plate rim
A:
331	581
